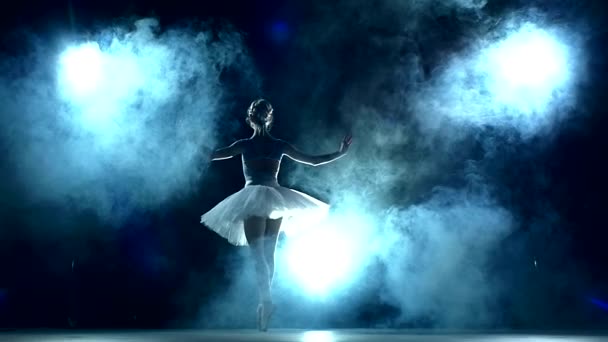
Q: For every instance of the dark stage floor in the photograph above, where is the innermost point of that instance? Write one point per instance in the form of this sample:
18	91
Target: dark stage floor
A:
295	335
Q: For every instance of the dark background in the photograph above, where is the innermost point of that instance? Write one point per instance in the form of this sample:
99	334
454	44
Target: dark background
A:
102	277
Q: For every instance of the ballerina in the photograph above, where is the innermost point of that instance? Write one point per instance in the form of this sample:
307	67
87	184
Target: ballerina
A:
254	215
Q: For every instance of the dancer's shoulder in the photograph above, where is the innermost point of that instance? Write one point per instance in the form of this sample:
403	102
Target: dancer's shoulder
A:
243	141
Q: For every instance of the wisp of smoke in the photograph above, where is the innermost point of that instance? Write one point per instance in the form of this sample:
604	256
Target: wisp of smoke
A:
435	254
122	120
436	258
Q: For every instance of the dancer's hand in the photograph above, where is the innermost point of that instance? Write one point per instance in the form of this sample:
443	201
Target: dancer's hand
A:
348	139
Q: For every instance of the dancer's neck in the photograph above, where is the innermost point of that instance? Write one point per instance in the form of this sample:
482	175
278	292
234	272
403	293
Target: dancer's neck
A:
261	134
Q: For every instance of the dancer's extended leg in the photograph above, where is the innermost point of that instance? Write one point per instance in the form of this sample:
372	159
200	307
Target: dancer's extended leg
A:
270	243
254	232
266	309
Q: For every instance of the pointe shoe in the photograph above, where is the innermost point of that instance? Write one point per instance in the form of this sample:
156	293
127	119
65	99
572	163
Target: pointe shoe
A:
267	311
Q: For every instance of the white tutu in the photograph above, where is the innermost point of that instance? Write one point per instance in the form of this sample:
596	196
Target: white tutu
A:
296	209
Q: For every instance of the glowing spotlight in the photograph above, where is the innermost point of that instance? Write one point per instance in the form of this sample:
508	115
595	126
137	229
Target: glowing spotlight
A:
524	80
526	68
82	68
319	259
530	59
328	257
102	85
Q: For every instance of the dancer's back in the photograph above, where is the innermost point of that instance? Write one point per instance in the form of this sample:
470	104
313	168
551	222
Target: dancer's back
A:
261	160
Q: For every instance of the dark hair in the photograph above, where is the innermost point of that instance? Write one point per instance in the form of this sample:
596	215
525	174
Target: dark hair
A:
259	115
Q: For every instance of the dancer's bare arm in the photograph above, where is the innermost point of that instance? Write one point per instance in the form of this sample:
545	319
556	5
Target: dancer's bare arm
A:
308	159
228	152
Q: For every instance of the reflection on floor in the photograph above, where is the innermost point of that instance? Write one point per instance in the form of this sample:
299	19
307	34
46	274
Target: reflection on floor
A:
361	335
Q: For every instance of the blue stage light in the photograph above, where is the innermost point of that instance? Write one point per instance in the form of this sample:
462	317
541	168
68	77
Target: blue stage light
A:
326	257
81	69
524	70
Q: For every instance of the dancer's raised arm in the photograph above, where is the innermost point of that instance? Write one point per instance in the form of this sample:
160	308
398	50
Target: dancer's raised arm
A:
228	152
308	159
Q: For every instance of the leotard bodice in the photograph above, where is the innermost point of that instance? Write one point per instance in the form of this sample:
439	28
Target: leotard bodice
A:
261	160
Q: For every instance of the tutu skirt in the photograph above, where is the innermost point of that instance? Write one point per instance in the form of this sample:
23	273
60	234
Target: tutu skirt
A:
296	208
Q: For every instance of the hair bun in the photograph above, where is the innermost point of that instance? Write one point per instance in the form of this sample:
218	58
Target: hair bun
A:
255	119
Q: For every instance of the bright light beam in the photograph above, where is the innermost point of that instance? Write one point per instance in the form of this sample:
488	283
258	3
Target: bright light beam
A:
523	80
329	256
526	68
320	259
100	85
318	336
82	68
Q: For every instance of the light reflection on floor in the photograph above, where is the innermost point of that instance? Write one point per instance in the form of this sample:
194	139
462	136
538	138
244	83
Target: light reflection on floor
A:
318	336
360	335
